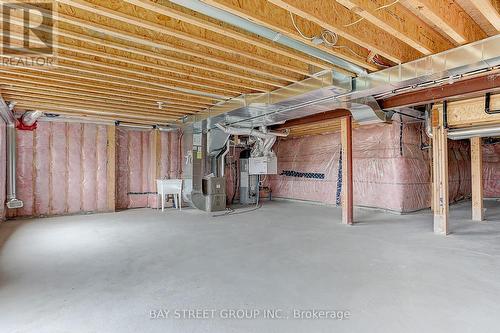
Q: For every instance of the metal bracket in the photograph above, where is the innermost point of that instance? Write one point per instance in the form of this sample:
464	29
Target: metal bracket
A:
487	109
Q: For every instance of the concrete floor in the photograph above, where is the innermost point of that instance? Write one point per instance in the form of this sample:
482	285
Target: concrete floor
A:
105	273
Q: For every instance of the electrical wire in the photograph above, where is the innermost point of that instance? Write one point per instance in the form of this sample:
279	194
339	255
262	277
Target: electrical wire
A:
376	9
298	30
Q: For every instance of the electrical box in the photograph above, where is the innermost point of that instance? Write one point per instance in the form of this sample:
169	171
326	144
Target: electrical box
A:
263	165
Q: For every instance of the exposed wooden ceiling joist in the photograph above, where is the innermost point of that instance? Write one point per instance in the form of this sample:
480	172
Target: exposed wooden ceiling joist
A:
201	38
338	18
449	17
398	21
489	9
168	10
266	14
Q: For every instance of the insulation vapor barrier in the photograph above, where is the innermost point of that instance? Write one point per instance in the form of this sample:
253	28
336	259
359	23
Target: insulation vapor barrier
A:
390	169
135	181
61	169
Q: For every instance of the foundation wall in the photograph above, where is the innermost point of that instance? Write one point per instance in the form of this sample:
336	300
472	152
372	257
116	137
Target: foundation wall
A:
390	170
3	169
61	169
135	181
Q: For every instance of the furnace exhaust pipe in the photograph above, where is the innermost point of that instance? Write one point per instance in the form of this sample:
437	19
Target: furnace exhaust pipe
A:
10	121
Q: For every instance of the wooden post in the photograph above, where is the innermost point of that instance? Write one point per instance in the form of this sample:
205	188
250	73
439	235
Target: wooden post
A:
347	183
440	172
477	178
111	167
155	159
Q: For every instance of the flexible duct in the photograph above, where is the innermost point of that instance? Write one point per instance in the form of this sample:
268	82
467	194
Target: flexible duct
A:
264	139
10	121
29	118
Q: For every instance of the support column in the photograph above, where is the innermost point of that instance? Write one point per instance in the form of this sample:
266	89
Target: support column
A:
440	171
155	161
111	167
347	183
477	178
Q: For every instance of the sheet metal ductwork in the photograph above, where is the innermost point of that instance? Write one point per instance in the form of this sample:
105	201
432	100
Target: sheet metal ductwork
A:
7	114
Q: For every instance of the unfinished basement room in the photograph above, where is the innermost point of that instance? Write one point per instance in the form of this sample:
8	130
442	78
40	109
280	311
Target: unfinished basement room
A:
250	166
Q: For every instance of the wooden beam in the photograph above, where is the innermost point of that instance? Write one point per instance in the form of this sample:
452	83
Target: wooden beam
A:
471	112
464	87
111	168
489	9
337	18
440	171
226	30
266	14
448	17
347	179
477	178
398	21
313	119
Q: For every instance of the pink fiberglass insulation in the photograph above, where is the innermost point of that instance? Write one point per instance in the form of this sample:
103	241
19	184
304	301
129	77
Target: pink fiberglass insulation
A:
136	197
175	153
58	167
3	166
384	175
491	170
89	162
24	171
136	185
121	169
41	153
74	142
165	153
102	168
58	170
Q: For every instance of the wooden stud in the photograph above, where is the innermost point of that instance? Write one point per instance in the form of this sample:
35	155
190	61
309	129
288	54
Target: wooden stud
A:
347	179
477	178
440	172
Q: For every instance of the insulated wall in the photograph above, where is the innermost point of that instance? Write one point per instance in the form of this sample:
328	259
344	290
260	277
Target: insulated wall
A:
143	157
3	169
61	169
390	169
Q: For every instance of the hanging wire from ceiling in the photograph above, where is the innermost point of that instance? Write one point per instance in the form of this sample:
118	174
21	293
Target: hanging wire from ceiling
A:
376	10
330	38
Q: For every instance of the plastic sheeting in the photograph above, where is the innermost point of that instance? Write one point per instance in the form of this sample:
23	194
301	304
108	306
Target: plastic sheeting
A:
136	186
390	171
61	169
491	170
